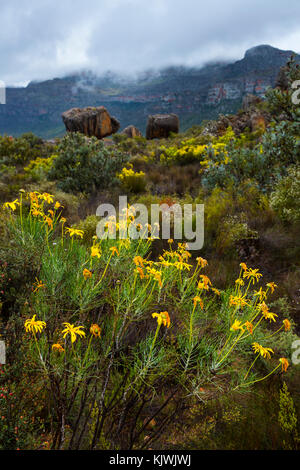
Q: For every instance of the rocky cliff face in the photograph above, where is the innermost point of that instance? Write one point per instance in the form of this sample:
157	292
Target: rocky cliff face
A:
193	94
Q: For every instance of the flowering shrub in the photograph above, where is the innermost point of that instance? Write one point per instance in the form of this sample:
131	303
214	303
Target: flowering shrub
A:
117	338
39	168
132	181
191	150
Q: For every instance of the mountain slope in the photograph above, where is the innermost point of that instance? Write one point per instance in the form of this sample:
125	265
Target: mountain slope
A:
194	94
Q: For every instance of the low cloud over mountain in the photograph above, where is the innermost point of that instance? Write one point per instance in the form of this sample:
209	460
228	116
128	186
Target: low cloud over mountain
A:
53	38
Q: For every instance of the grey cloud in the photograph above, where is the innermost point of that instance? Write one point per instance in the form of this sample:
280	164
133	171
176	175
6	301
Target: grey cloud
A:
40	39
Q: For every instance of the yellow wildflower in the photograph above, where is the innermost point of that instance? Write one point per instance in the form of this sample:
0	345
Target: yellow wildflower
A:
73	331
33	326
49	221
34	197
95	251
155	274
95	330
140	272
266	313
237	326
58	205
196	300
58	347
114	251
47	197
284	363
36	211
243	266
73	231
202	262
11	205
249	327
87	274
180	265
138	261
238	301
162	318
287	324
38	285
206	281
264	352
261	294
272	286
252	274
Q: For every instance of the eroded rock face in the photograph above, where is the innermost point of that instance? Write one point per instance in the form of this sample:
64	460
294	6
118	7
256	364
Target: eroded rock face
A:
251	101
160	125
90	121
132	131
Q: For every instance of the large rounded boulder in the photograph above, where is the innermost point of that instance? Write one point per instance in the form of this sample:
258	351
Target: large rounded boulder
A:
132	131
90	121
161	125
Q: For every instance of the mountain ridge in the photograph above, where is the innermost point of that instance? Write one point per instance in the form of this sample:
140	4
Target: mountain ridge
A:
194	94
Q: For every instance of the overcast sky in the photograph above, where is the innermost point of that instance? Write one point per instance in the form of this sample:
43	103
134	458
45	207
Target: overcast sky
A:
42	39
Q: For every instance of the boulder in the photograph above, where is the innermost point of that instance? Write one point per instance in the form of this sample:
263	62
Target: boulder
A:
90	121
160	125
132	131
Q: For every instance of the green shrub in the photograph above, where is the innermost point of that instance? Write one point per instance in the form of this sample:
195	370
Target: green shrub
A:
85	165
20	150
265	163
39	168
88	226
286	196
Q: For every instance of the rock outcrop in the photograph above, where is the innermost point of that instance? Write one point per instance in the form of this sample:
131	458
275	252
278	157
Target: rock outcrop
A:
252	119
251	101
132	131
90	121
160	125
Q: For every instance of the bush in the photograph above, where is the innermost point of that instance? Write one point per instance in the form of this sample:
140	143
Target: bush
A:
18	151
132	181
84	165
39	168
285	199
266	162
88	226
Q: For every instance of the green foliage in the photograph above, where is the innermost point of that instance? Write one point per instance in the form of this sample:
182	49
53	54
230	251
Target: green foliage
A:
133	145
85	165
18	151
279	99
99	338
88	226
195	149
39	168
286	196
266	162
132	181
287	419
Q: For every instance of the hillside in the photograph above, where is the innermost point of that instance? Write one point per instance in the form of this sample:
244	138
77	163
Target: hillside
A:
194	94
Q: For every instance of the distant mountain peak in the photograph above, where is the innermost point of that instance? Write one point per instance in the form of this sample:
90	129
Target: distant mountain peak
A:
265	50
